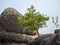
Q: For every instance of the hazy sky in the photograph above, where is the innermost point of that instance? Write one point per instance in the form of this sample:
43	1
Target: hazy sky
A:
49	7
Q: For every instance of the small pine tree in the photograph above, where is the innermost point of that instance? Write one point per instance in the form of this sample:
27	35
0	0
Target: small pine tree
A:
32	20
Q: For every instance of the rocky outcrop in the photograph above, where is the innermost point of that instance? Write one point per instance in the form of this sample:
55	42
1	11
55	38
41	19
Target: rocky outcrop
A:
16	37
50	39
11	11
9	19
13	34
56	40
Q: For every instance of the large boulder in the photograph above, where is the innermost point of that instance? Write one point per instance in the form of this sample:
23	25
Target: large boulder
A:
9	19
11	11
11	33
17	37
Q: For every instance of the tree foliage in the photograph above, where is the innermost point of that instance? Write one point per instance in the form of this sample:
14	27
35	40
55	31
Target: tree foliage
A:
32	20
55	21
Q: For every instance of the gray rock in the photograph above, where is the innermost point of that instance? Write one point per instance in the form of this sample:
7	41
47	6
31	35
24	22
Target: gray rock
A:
9	19
13	44
11	33
15	37
11	11
57	31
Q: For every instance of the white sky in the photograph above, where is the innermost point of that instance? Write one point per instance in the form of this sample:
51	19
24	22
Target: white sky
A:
49	7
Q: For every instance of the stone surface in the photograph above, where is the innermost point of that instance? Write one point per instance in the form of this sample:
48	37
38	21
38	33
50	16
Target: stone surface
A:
57	31
13	34
11	11
9	19
17	37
